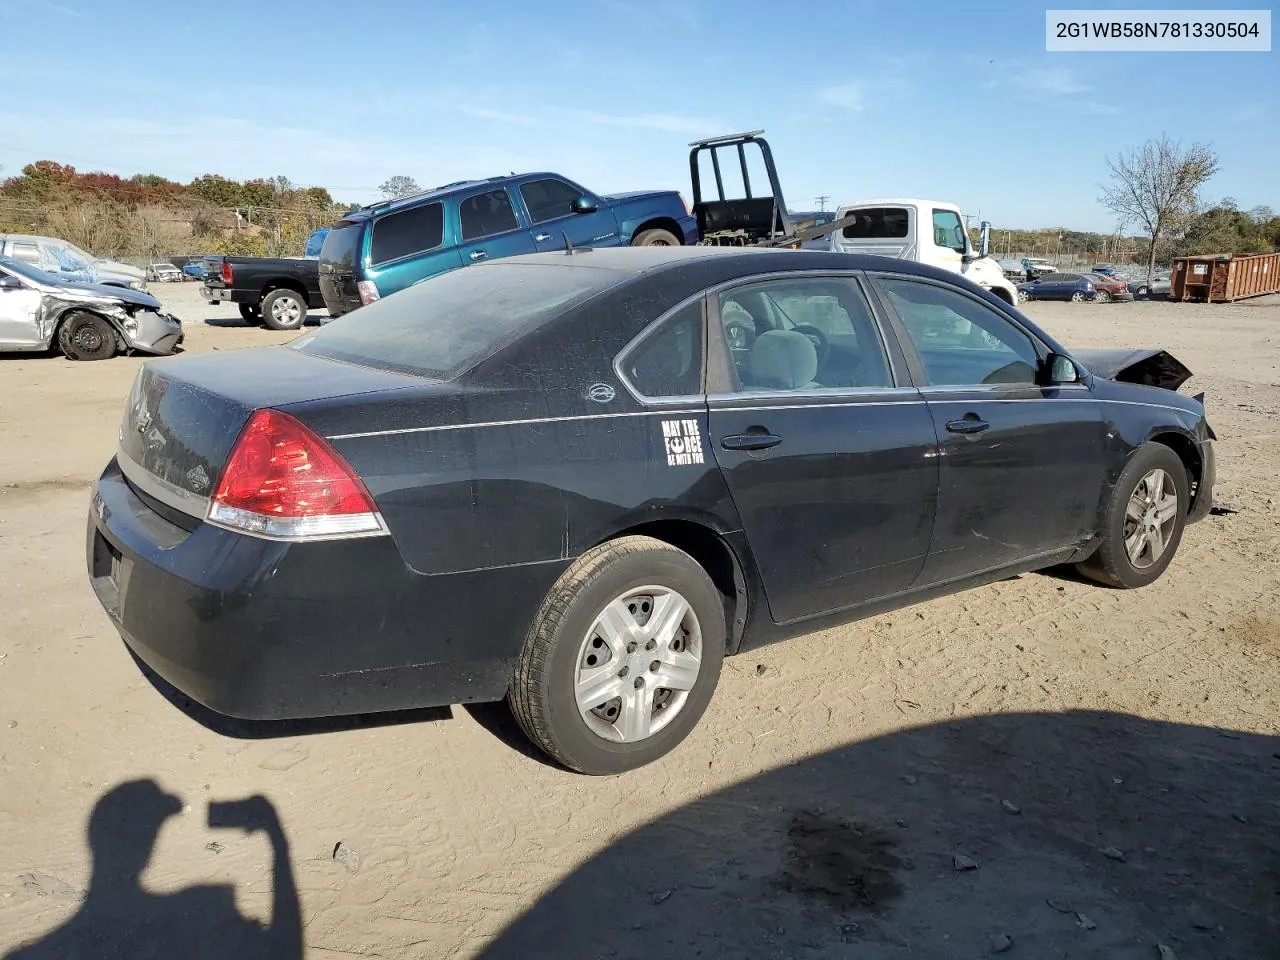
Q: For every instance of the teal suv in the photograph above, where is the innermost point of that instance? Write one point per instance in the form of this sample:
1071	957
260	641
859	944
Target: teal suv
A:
380	249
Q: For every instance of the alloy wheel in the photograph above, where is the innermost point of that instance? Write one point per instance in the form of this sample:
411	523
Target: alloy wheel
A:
1149	518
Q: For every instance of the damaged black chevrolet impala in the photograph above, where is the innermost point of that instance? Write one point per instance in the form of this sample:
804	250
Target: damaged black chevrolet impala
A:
86	321
578	481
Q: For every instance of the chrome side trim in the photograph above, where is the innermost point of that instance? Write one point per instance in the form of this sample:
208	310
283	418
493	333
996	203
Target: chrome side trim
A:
171	495
509	423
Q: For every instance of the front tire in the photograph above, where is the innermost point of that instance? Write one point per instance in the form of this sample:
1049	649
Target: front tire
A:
283	310
1143	521
656	237
86	336
622	658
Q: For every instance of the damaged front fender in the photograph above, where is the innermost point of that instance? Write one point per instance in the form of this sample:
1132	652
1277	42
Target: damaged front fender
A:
141	326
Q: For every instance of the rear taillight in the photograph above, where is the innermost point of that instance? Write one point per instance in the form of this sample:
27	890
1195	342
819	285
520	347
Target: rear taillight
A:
228	275
283	482
368	291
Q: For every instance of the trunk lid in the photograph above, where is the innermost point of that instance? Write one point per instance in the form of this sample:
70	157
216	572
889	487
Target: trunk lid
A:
340	258
185	414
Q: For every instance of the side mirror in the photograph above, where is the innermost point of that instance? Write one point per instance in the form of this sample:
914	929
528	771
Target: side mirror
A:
8	282
984	238
1063	369
584	205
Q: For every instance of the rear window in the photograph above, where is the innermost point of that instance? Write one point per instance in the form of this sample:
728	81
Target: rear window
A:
342	244
447	324
406	232
877	223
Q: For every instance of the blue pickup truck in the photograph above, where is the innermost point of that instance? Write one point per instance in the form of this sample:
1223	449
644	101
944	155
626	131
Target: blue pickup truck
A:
382	248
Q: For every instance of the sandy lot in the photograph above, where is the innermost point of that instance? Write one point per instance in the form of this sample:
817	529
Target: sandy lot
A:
1040	768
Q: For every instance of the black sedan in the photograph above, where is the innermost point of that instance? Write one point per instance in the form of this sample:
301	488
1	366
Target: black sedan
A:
579	480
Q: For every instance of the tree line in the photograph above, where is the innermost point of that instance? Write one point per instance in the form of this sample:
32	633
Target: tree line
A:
148	216
1154	191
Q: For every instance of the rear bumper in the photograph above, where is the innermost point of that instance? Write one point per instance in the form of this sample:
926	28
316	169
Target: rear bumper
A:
264	630
216	295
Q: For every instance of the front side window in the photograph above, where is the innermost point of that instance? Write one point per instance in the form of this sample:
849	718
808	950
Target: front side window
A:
948	231
487	214
877	223
406	232
807	333
960	341
668	362
548	199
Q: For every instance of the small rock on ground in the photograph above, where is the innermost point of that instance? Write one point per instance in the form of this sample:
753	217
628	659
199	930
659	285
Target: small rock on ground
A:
347	857
1113	853
962	862
1000	943
1008	806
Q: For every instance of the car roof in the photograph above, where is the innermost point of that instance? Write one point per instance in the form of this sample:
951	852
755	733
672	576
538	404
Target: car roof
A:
368	211
898	202
636	261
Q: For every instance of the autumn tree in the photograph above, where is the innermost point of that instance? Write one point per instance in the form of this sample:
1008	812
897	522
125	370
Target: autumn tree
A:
1156	185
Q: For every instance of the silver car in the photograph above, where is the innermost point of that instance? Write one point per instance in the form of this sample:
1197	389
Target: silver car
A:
68	262
86	321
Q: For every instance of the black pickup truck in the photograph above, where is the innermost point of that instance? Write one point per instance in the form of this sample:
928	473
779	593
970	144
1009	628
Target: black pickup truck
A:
274	291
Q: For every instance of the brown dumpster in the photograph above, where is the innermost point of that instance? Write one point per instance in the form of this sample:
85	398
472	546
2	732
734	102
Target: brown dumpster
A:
1223	278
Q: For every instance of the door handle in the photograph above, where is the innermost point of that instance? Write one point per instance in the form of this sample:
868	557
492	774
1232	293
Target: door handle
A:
970	425
542	236
750	441
478	254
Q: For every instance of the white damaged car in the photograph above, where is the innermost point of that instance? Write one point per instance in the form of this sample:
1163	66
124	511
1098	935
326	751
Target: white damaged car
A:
86	321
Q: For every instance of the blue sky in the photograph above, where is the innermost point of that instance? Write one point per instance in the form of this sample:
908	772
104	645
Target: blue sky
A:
859	98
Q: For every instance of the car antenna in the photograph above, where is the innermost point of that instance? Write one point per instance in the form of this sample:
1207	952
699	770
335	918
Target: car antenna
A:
568	245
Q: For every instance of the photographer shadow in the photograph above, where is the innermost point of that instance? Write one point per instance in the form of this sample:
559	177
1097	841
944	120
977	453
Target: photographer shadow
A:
120	918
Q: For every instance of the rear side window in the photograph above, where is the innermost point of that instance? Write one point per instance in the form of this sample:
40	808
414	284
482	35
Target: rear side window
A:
27	252
548	199
877	223
342	244
442	326
486	214
668	362
407	232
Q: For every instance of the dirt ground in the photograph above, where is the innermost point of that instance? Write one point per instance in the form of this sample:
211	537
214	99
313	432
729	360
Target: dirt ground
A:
1039	768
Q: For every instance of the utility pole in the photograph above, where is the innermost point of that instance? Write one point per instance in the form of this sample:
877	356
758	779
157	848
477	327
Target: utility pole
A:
822	201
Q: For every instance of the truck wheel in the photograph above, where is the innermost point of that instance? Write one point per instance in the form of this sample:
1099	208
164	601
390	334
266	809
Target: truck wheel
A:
86	336
656	237
251	312
1142	523
283	310
622	658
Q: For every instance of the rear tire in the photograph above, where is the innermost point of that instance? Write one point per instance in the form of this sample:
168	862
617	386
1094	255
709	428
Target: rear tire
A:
251	312
588	687
86	336
1101	296
1126	556
283	309
656	237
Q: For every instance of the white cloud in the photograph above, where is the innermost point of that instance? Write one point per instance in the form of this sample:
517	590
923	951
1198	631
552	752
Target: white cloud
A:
1059	80
849	96
664	122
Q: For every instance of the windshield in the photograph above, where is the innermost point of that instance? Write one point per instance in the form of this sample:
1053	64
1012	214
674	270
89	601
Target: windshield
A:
71	257
18	268
447	324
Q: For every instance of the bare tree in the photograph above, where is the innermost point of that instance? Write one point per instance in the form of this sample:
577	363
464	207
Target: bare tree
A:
399	186
1156	185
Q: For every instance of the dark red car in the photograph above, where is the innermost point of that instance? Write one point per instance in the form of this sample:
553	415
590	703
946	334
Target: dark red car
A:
1108	288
